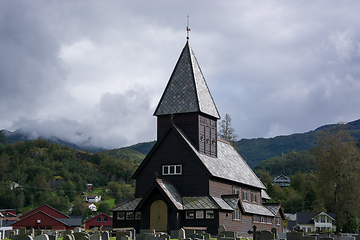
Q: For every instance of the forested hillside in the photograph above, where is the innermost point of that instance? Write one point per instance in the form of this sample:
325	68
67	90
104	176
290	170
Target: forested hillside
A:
30	169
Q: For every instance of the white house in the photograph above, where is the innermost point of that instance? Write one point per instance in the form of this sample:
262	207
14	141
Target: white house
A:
282	181
312	222
92	207
93	198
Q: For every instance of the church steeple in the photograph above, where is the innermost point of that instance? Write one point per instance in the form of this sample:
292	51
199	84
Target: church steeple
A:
187	103
187	91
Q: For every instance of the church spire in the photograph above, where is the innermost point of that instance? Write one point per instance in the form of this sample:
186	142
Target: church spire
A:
187	91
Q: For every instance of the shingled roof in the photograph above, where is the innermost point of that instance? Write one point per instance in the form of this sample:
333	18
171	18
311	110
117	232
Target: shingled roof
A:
187	91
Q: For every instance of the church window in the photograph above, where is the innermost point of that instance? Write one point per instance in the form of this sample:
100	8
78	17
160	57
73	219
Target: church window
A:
130	215
245	195
236	191
189	214
199	214
256	218
172	169
269	220
263	219
121	216
253	197
209	214
138	215
237	215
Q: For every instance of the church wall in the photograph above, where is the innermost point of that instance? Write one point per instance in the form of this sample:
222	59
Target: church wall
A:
173	151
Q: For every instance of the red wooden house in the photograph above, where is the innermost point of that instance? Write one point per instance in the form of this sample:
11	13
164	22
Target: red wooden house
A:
190	178
102	221
46	217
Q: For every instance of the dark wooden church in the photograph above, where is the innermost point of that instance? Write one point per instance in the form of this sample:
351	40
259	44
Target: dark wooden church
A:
190	178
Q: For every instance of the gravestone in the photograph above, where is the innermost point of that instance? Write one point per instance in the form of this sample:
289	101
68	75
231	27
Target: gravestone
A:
95	236
266	235
121	234
294	235
181	234
221	229
81	236
347	238
254	233
77	229
68	237
196	236
147	231
207	236
326	238
309	237
282	236
189	232
42	237
105	235
24	238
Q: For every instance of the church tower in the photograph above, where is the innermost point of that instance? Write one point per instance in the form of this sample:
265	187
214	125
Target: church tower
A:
188	104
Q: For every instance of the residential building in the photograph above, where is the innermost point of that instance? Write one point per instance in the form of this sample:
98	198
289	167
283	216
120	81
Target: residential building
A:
282	180
313	222
101	221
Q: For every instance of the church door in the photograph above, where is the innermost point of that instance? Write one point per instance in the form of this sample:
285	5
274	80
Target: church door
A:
158	216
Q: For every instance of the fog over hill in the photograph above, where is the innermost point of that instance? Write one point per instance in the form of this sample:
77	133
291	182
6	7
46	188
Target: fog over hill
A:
253	150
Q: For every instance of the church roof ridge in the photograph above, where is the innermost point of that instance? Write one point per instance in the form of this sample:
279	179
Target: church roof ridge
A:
186	90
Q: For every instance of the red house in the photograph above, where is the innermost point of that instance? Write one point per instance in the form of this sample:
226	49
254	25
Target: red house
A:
102	221
46	217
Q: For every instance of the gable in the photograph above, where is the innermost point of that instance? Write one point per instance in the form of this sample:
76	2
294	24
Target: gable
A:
46	209
38	218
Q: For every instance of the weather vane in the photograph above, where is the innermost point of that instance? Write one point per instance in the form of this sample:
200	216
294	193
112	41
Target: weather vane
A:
187	27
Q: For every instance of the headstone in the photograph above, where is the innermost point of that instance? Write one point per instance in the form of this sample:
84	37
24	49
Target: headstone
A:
281	236
347	238
105	235
326	238
95	236
147	231
81	236
266	235
119	235
221	229
24	238
294	236
42	237
254	233
207	236
68	237
181	234
196	236
309	237
189	232
77	229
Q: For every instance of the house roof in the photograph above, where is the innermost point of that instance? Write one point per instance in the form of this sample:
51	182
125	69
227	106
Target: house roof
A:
281	178
307	217
62	220
72	221
42	207
228	165
257	209
101	214
187	90
264	194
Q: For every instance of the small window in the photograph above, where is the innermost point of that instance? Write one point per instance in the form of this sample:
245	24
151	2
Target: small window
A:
98	219
253	197
277	221
49	227
189	214
129	215
42	227
172	169
210	214
106	219
121	216
138	215
245	195
236	191
269	220
237	215
255	218
309	229
199	214
263	219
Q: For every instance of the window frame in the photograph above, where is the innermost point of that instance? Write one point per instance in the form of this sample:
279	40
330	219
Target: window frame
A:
172	169
237	215
121	216
199	214
190	214
209	214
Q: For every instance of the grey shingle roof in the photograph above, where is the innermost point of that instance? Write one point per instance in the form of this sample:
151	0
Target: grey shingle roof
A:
172	193
128	205
226	203
228	164
265	195
187	90
198	203
256	209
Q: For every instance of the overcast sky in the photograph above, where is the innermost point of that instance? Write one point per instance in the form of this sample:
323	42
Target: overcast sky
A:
95	70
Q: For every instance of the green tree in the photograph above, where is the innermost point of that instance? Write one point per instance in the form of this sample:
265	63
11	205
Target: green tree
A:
104	208
338	161
227	132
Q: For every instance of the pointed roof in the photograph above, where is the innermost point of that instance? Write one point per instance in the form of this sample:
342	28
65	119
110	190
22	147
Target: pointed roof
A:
187	90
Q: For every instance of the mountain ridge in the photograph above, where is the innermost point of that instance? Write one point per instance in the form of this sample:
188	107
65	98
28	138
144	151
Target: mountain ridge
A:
253	150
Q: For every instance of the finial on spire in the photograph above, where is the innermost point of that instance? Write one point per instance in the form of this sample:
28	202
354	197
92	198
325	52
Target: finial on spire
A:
187	27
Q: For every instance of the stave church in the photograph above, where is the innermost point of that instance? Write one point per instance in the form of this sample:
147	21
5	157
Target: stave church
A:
191	179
